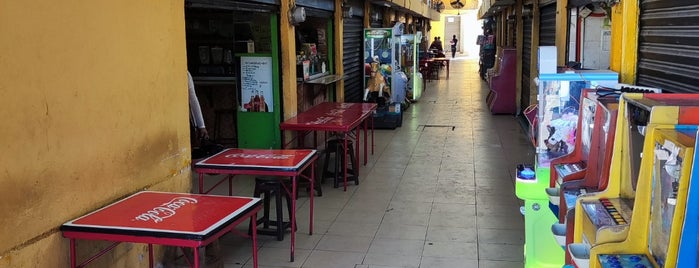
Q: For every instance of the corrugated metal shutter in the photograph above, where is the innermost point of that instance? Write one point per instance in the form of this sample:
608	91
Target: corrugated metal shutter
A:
669	45
512	24
352	58
547	25
526	60
252	6
376	22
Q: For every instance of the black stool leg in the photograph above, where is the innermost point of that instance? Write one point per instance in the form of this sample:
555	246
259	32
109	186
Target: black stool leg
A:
325	173
353	160
339	160
280	214
265	217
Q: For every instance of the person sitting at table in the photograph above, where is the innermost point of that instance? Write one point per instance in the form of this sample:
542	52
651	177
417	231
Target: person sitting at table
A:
436	45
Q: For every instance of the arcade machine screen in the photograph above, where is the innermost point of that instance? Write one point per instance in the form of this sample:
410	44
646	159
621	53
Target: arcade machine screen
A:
560	119
667	169
587	124
604	132
637	119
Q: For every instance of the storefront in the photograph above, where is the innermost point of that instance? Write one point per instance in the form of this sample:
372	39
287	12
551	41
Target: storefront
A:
233	56
315	63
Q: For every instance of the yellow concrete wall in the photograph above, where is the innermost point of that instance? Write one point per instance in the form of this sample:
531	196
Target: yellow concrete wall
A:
437	30
93	101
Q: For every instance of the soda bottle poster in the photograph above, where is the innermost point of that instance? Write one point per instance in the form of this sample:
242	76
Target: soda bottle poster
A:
256	84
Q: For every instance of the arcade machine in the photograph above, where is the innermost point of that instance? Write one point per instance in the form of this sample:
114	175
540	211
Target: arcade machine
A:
654	230
688	252
559	98
587	168
384	81
604	217
410	61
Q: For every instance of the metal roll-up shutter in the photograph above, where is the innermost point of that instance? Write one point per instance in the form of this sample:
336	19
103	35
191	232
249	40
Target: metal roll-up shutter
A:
314	6
547	25
253	6
377	17
668	47
352	57
526	60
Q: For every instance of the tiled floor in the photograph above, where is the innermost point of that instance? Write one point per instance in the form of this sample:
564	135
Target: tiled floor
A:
438	192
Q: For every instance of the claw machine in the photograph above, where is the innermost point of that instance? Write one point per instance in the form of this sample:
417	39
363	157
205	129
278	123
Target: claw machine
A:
410	61
384	81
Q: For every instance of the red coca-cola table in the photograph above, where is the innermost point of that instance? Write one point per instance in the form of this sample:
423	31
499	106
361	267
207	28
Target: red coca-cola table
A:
264	162
162	218
337	117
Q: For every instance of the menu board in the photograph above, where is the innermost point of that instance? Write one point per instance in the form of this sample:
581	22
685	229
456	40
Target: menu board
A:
256	84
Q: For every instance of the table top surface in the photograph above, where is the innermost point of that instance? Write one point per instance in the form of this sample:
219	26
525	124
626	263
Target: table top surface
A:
164	214
330	116
258	159
440	59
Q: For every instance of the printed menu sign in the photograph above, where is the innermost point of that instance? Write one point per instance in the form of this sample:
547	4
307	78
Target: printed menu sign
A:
256	84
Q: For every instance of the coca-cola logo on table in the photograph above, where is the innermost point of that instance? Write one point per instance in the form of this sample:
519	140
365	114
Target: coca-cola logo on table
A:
320	120
166	210
260	156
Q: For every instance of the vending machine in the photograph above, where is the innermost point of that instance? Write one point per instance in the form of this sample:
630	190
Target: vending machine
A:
384	80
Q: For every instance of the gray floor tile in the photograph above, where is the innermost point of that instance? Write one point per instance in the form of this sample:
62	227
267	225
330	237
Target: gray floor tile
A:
345	243
451	249
500	264
501	236
381	260
327	259
500	252
402	231
446	262
452	234
390	246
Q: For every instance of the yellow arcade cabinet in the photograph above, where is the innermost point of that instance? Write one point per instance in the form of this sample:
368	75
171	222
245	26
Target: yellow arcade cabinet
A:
661	197
607	214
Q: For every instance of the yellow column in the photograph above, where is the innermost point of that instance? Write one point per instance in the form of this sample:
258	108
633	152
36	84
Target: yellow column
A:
534	65
561	30
629	44
367	14
288	61
340	84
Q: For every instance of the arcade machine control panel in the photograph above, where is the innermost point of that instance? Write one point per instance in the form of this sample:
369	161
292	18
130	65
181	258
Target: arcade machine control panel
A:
567	169
572	195
604	213
624	261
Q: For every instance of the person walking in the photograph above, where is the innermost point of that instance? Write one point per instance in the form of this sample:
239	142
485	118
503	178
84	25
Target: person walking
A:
453	43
